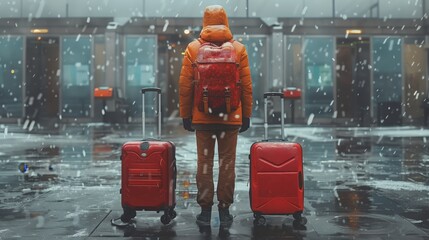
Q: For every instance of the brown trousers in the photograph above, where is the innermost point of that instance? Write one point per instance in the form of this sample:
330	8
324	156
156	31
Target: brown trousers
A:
227	143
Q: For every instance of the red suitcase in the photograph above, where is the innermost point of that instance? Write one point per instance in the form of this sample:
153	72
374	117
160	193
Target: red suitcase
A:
148	174
276	175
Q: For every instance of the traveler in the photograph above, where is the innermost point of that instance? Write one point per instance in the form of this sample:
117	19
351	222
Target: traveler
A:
211	125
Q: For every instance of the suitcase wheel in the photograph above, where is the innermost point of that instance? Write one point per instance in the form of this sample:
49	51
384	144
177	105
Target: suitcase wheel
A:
296	216
300	223
299	219
173	214
259	220
169	214
303	220
165	219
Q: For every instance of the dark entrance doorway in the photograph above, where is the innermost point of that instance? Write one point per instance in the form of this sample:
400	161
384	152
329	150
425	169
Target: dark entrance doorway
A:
42	79
171	49
353	81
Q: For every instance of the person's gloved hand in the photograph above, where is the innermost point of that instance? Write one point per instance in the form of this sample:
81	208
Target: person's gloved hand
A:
245	124
187	124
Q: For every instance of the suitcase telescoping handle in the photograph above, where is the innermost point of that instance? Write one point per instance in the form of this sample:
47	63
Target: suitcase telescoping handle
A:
273	94
158	91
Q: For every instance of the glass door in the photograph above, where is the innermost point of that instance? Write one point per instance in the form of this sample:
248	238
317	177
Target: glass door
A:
257	52
387	80
11	74
41	83
415	67
353	81
319	88
140	71
76	76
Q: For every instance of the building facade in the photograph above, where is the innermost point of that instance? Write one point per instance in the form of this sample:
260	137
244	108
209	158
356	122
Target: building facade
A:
359	66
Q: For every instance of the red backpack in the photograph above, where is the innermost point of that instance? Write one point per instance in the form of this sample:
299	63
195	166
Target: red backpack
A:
217	85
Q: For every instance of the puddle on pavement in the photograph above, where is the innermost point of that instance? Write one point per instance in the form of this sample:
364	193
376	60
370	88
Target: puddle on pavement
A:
366	223
353	200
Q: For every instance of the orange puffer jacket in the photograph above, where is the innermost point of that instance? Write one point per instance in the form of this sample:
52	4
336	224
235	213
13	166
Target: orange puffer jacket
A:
215	30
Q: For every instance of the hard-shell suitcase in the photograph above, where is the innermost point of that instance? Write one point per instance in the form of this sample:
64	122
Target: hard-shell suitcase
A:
276	175
148	173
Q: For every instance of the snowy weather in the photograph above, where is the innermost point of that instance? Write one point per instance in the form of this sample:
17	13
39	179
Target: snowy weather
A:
209	119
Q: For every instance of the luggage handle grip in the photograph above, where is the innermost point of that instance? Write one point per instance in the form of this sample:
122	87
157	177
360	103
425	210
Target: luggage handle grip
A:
273	94
300	180
158	91
151	89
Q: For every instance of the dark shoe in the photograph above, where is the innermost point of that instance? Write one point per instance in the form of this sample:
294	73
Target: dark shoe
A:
225	217
119	223
224	232
128	214
203	219
205	229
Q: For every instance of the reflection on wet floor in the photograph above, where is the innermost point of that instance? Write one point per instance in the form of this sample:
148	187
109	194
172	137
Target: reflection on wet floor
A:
349	146
358	183
103	151
366	223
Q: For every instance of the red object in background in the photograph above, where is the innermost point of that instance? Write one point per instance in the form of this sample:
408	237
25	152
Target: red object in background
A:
103	92
292	93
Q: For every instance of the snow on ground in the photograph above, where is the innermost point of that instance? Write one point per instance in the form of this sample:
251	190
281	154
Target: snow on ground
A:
398	185
328	134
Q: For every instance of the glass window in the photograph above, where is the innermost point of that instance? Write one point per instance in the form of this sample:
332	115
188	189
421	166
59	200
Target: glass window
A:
401	9
387	74
415	67
11	52
76	76
356	9
295	9
140	71
99	60
318	59
426	6
293	74
257	53
293	62
188	8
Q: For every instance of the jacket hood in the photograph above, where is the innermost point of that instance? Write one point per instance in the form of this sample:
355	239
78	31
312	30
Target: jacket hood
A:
215	25
215	15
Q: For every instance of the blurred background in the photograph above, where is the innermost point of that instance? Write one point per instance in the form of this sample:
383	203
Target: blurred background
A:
357	63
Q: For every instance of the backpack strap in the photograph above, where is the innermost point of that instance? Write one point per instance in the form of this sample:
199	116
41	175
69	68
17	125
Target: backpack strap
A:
201	41
228	99
206	100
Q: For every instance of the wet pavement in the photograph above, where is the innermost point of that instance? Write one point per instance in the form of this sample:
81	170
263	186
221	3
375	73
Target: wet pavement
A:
360	183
